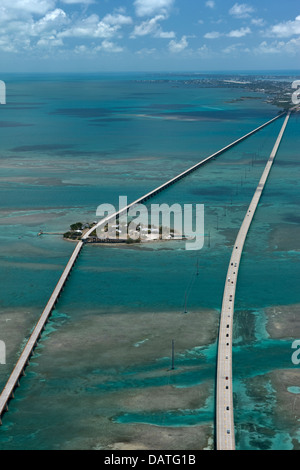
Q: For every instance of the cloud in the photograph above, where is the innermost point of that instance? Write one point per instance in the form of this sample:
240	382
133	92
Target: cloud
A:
265	48
291	47
23	33
176	47
286	29
146	52
203	51
81	49
105	46
90	27
258	21
26	25
7	46
152	27
236	33
210	4
51	21
232	49
213	35
241	10
117	19
92	50
151	7
165	34
51	41
76	2
147	27
108	46
239	33
20	7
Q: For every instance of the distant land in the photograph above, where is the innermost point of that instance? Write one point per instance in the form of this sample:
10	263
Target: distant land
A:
277	88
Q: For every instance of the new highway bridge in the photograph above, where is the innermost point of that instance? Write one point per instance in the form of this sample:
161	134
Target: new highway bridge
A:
224	403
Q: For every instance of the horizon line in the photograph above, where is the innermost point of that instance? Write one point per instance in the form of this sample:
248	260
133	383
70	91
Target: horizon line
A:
101	72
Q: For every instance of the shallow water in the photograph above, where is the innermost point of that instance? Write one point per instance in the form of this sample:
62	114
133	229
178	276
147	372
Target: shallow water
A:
70	145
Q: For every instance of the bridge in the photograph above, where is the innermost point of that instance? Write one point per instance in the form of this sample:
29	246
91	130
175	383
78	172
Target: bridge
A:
177	178
224	397
24	359
19	370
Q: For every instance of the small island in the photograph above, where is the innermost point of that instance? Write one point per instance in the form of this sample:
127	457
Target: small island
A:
120	233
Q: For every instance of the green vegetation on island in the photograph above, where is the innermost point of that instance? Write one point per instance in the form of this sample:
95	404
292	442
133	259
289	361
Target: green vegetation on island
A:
120	233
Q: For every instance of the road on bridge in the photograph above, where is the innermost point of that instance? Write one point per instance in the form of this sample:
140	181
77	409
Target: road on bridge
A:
224	398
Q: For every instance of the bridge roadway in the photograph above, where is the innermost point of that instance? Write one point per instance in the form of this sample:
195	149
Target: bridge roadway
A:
23	361
224	397
19	370
176	178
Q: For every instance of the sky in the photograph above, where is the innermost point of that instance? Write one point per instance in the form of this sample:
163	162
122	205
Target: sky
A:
148	35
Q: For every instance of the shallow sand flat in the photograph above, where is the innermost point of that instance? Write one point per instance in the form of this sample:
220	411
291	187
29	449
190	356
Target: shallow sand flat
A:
283	321
288	404
166	398
15	326
29	180
30	220
285	238
266	413
144	437
90	371
123	339
31	266
110	434
86	419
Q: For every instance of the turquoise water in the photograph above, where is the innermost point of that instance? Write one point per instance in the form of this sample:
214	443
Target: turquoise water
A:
69	144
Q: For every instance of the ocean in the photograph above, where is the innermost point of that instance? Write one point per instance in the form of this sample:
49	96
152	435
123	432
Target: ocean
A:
100	377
